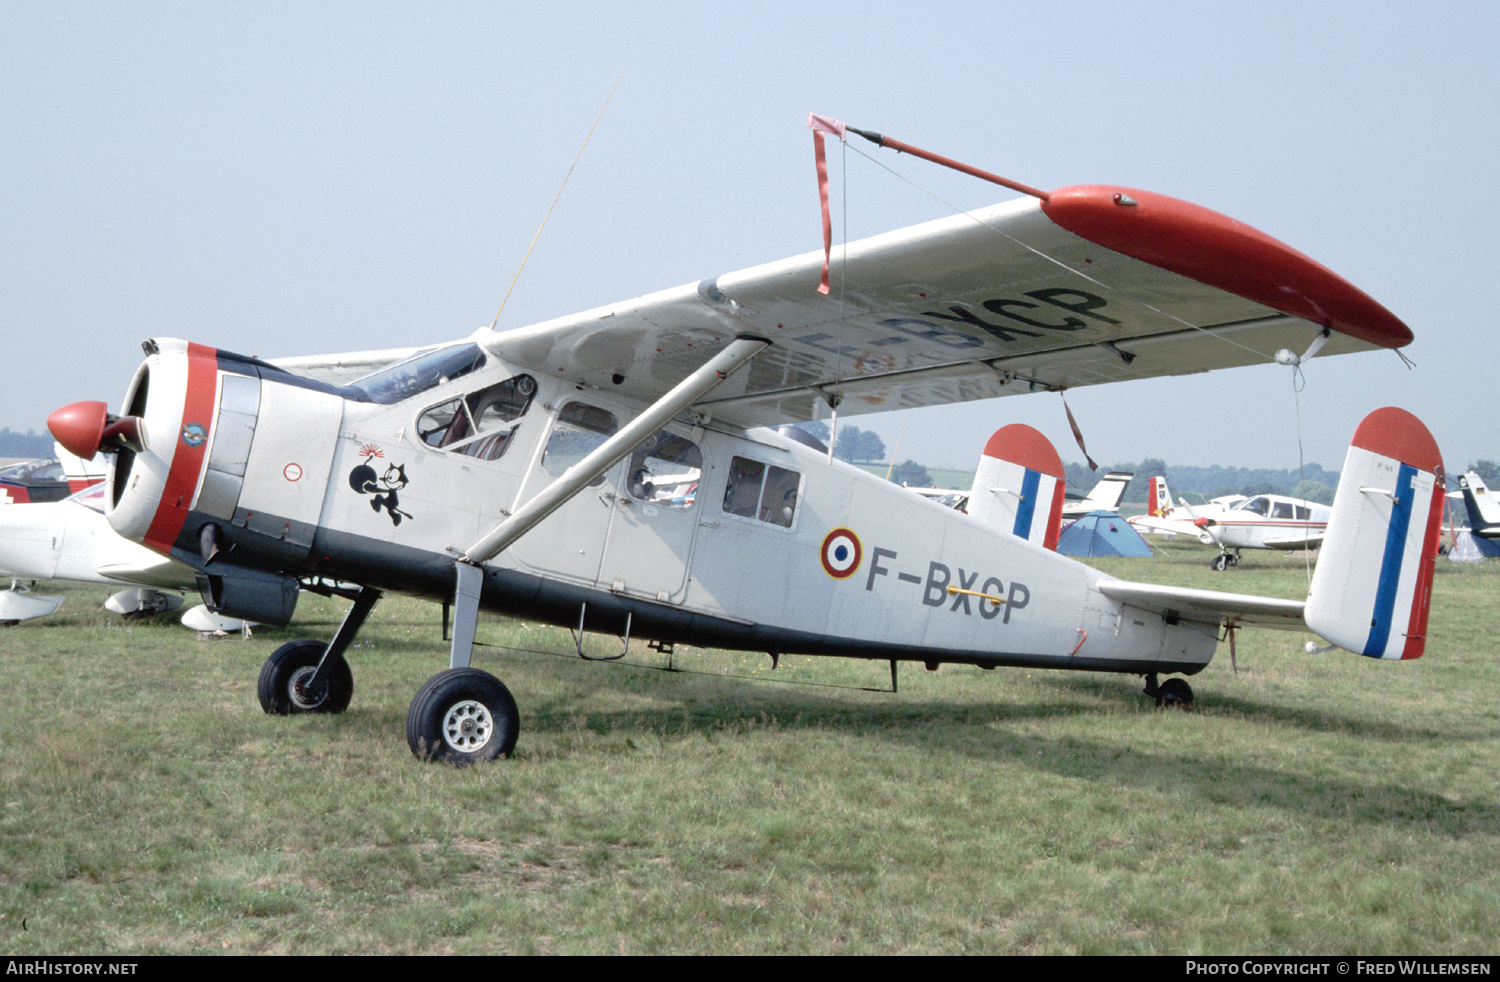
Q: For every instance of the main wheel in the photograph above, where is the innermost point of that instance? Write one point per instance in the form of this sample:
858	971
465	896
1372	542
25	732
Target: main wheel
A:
462	716
284	678
1175	692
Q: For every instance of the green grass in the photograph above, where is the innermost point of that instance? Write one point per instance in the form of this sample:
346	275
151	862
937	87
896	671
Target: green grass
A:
1309	804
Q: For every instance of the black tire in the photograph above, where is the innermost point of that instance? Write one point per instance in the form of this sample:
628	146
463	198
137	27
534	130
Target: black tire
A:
282	688
1220	563
462	716
1175	692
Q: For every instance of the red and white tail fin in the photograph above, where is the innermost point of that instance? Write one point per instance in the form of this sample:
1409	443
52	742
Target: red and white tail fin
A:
79	472
1018	485
1373	584
1159	499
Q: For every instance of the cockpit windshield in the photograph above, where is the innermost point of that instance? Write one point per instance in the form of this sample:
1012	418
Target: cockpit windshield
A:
415	375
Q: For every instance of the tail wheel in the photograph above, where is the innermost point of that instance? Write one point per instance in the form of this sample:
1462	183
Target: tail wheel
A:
1175	692
462	716
285	686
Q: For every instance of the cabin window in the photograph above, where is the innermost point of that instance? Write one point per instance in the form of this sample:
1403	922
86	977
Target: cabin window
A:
481	424
665	471
1303	513
580	428
764	492
1255	505
1281	509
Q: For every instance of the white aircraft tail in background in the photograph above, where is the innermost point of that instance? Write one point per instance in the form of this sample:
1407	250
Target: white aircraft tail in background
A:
1106	496
1483	509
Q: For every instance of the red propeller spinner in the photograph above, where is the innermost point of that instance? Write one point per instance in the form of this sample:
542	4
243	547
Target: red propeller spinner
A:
86	428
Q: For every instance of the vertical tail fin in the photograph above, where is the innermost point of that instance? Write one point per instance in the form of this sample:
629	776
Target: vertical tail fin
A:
79	472
1371	590
1484	511
1158	498
1107	494
1018	485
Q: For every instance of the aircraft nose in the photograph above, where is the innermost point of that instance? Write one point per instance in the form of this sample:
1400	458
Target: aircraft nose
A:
1203	522
85	428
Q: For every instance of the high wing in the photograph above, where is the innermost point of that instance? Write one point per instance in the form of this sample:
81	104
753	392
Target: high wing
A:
1207	606
1096	284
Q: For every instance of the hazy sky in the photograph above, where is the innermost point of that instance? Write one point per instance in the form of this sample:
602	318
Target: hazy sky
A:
297	178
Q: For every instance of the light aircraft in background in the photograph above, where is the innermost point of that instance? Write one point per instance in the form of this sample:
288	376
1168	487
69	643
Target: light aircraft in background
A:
72	540
1483	509
1262	521
1104	496
502	471
48	479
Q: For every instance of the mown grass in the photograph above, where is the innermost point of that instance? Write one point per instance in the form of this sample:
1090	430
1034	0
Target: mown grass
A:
1310	803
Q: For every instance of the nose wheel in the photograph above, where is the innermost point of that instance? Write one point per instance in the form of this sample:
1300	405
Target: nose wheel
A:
288	686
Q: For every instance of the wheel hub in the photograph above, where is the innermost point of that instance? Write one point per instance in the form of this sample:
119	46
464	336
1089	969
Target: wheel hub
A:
303	694
468	726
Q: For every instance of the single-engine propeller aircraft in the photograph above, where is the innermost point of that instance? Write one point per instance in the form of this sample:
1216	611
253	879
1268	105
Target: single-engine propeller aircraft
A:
1264	521
616	470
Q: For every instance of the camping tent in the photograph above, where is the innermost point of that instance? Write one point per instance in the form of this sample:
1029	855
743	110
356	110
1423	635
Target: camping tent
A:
1101	533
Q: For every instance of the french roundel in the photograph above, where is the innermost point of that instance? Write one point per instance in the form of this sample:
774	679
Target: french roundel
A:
841	553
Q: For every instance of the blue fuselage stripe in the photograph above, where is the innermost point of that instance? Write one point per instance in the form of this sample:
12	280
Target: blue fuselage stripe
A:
1029	486
1390	563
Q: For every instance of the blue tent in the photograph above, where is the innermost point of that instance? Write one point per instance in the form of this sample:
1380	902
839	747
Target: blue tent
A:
1102	533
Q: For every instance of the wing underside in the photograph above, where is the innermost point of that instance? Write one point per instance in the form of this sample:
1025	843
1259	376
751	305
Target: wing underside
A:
998	302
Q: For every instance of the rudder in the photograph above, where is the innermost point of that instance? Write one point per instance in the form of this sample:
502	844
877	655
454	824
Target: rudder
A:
1018	486
1373	585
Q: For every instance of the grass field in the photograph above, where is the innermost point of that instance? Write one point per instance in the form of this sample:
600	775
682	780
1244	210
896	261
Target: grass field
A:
1309	804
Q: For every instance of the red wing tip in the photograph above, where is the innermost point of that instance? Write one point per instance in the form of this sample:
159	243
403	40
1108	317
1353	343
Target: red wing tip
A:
1219	251
1024	445
1395	433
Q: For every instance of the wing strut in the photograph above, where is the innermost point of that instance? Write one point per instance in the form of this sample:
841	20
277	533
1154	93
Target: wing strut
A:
554	495
469	577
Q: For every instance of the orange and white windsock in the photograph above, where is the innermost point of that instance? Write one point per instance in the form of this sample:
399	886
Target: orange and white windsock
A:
1018	486
1371	590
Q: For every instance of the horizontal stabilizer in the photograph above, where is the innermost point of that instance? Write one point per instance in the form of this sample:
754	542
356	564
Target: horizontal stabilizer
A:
1206	606
1371	590
1018	486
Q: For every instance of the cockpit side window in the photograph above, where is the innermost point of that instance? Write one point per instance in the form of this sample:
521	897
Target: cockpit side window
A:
480	424
665	471
763	492
579	429
1256	505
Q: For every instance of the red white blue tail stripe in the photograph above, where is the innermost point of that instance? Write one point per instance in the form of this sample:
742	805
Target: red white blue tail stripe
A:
1018	485
1373	583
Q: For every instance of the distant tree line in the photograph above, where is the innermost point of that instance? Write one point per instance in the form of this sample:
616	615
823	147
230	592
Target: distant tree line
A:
29	444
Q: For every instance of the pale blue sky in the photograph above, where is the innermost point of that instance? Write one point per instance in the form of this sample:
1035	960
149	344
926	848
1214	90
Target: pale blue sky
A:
298	178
